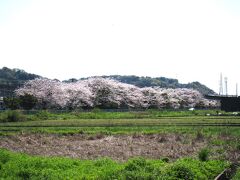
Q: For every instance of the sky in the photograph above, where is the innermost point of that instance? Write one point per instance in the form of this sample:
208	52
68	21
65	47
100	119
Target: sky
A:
191	40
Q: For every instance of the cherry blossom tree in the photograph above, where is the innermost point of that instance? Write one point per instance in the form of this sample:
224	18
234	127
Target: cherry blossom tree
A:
107	93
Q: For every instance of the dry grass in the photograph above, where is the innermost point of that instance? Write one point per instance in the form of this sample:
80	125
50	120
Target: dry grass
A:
118	147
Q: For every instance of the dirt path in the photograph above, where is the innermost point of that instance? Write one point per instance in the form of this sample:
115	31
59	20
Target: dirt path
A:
118	147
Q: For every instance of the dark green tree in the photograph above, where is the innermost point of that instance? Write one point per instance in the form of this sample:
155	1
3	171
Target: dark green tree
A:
27	101
11	103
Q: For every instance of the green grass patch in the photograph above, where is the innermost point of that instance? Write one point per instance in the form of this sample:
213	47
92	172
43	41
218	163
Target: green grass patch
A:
191	120
237	175
21	166
99	114
205	131
217	142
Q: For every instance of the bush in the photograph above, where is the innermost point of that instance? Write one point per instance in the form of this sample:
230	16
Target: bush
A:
11	103
203	155
12	116
136	164
96	110
182	172
138	168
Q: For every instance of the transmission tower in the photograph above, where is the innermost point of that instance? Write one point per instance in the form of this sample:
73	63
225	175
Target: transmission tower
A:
236	89
226	83
221	85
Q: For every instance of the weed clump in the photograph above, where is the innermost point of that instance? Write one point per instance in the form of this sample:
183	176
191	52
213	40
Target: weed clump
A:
203	155
238	147
182	172
199	136
42	115
165	159
162	139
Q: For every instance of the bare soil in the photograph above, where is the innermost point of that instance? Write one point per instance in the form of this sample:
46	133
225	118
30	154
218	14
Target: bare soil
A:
117	147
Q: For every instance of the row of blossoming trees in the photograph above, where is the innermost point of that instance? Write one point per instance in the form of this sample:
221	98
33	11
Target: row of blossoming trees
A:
107	93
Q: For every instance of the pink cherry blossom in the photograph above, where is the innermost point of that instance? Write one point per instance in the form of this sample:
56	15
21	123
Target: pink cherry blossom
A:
108	93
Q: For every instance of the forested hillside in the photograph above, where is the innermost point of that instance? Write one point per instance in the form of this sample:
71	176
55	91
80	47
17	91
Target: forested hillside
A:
10	79
162	82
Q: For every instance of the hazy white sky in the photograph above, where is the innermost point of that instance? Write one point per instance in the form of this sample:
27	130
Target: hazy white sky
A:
191	40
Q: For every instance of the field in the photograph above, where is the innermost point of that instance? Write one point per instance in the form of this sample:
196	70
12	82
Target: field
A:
119	145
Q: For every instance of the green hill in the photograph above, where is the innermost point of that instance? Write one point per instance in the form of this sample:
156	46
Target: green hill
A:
162	82
10	79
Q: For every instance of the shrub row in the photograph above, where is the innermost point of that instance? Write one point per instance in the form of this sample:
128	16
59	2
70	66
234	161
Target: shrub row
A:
12	116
